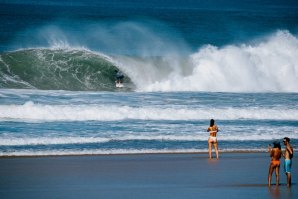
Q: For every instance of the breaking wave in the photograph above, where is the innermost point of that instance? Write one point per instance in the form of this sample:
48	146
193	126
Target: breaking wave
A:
57	69
40	112
264	65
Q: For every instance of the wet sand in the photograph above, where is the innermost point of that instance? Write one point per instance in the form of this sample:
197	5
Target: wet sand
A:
143	176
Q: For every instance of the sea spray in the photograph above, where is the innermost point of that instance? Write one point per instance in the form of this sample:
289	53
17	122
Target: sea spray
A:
267	66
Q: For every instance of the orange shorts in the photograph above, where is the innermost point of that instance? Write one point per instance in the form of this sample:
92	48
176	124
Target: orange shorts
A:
275	162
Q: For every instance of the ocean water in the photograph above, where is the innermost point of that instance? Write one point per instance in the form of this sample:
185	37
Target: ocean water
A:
184	63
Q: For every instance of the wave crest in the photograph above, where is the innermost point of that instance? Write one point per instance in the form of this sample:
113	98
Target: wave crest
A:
267	65
39	112
57	69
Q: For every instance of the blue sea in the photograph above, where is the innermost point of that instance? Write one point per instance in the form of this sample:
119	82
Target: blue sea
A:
184	62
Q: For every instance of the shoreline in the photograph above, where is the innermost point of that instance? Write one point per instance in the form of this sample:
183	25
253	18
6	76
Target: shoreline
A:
146	176
127	154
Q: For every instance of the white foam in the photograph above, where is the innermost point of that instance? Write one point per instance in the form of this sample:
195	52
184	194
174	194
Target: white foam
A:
118	151
30	141
195	136
268	65
40	112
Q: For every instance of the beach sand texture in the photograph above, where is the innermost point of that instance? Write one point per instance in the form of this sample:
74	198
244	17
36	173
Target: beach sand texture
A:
143	176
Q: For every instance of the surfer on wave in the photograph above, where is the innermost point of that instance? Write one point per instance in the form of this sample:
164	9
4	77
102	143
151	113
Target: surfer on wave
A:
119	77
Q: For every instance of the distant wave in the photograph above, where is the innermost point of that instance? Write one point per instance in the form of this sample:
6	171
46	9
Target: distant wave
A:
57	69
39	112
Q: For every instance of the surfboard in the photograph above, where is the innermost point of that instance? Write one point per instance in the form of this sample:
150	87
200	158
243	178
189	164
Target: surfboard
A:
119	85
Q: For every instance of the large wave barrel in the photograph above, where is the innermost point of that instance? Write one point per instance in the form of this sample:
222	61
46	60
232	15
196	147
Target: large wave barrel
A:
57	69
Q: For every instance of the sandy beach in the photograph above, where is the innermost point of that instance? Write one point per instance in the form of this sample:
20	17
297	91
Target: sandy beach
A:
234	175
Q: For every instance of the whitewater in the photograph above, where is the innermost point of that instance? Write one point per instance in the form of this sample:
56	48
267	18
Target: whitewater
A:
44	122
31	111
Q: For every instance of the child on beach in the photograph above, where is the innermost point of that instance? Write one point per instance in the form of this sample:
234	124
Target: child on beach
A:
275	154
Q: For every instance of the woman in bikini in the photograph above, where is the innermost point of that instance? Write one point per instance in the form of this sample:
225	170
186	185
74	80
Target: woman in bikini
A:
212	138
275	154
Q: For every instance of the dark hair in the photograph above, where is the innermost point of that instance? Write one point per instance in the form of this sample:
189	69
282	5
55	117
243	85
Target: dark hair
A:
211	122
287	139
276	145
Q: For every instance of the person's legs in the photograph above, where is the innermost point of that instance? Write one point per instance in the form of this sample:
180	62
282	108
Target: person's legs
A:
210	149
277	175
216	150
287	166
288	179
270	174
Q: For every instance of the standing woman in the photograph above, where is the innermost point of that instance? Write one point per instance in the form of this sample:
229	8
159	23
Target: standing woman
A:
213	129
275	154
